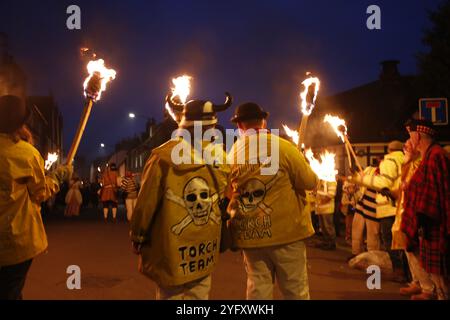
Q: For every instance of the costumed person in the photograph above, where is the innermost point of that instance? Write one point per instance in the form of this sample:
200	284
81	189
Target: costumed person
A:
425	220
366	218
176	224
387	183
421	282
269	221
348	206
108	192
74	198
310	206
130	187
24	186
325	203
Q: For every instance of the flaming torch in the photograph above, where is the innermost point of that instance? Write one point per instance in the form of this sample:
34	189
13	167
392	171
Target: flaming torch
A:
181	90
51	159
325	168
291	134
93	86
340	128
308	99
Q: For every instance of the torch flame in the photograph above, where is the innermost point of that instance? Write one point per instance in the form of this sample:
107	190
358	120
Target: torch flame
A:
293	134
307	107
338	125
325	168
105	74
51	159
181	89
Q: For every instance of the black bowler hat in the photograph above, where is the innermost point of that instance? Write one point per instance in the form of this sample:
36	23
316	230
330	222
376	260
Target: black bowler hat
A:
249	111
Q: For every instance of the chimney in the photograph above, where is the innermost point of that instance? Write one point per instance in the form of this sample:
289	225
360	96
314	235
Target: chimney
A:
389	71
3	48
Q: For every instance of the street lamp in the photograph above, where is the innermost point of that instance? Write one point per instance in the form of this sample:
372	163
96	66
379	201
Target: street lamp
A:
114	152
150	121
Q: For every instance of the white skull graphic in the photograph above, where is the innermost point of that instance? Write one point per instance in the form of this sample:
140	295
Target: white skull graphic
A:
252	194
197	200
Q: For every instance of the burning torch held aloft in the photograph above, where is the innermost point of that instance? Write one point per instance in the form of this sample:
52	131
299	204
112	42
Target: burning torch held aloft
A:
340	128
93	86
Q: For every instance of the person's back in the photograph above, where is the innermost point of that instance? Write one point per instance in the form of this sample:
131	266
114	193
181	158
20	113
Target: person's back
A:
176	225
269	179
269	209
182	203
20	207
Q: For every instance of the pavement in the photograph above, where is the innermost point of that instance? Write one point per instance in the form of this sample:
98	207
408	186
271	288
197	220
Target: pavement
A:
109	268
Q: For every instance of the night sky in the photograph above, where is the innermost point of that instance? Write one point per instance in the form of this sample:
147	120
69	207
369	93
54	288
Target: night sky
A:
257	50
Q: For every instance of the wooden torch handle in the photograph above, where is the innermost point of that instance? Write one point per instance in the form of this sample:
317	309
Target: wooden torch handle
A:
302	131
81	126
353	154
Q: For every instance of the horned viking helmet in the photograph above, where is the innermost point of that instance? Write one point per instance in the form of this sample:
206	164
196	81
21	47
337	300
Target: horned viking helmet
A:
198	110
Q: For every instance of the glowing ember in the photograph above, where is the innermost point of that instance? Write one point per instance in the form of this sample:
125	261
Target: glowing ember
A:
98	68
181	89
308	106
338	125
51	159
325	168
292	134
87	52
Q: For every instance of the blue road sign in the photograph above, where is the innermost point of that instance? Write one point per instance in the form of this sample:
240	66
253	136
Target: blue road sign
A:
434	110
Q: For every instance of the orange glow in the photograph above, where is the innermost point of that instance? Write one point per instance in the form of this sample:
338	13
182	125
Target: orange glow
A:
307	107
326	167
106	75
182	90
292	134
51	159
337	124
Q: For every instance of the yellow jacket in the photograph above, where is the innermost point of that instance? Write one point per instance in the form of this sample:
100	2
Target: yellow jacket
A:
177	218
399	241
23	187
269	210
326	193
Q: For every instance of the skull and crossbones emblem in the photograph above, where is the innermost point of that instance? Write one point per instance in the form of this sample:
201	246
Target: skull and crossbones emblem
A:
253	192
198	202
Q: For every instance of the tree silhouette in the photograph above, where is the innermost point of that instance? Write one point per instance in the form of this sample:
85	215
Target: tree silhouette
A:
434	65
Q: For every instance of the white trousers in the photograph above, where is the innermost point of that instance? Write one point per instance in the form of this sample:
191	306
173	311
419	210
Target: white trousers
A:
195	290
130	204
372	231
285	263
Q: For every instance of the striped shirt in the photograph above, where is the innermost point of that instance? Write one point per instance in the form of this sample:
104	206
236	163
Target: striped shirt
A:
367	206
130	187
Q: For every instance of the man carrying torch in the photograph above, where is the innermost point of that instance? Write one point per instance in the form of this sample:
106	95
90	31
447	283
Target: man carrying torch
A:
94	85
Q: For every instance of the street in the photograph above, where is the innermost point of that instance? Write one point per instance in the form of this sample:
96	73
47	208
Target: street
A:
109	268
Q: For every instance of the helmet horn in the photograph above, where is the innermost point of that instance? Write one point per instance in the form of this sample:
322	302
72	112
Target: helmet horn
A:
178	107
226	105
